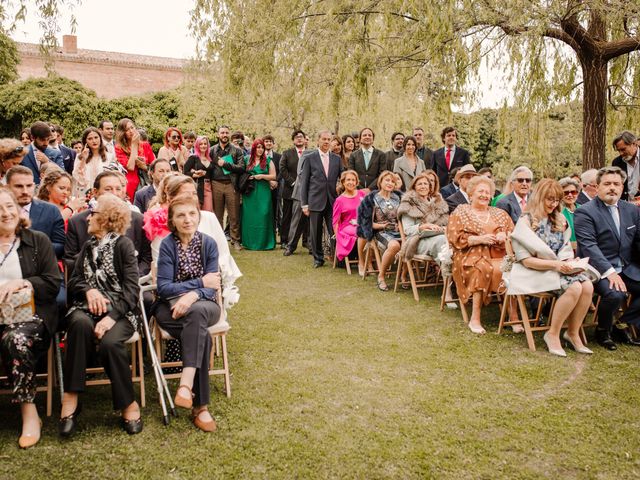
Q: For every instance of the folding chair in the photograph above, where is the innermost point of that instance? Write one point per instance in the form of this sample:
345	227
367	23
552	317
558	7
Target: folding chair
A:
423	270
49	377
372	254
347	262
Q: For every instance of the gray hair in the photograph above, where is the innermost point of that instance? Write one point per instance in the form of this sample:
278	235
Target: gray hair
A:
569	181
610	171
520	169
324	131
627	137
589	176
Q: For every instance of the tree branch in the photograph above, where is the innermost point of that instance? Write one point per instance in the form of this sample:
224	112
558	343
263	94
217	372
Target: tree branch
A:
612	50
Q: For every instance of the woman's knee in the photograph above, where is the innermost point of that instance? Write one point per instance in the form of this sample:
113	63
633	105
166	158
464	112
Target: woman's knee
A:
587	288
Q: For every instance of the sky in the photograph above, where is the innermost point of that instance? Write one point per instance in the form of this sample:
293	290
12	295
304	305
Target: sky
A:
161	28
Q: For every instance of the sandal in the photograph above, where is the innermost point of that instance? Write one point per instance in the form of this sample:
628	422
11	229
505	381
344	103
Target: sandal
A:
181	401
382	286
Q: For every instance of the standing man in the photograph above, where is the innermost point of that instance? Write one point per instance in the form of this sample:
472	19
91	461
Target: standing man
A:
422	151
450	156
189	141
318	180
274	157
39	151
397	139
228	161
68	154
367	161
608	233
158	170
514	203
629	162
294	223
107	132
589	186
44	216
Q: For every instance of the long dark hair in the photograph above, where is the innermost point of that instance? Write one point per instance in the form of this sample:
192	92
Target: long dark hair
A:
102	150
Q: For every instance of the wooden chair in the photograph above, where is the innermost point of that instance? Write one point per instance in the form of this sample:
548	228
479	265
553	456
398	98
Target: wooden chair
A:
49	377
372	254
347	262
218	334
137	368
422	269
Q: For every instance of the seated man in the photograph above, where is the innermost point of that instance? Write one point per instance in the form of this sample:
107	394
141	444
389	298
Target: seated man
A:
39	151
607	231
107	182
521	181
158	169
463	175
44	216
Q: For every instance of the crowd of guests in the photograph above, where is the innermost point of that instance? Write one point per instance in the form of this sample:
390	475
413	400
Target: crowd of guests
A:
108	211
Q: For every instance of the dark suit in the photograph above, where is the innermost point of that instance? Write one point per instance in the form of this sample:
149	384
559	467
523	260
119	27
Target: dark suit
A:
622	165
46	218
368	177
77	236
275	195
511	205
456	199
288	174
461	157
599	239
449	190
318	192
68	157
30	162
582	199
143	197
391	156
426	154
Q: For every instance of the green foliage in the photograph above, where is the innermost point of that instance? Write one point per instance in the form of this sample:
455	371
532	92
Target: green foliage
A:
8	59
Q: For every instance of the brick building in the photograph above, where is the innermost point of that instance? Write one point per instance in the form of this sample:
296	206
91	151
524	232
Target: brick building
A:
109	74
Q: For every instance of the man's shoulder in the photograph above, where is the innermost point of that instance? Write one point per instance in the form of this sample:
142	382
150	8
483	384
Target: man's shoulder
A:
505	202
619	162
47	207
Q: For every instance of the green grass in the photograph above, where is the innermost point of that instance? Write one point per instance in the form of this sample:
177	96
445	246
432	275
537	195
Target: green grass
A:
334	379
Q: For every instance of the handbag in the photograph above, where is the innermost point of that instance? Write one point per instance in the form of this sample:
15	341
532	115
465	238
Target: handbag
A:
244	183
18	308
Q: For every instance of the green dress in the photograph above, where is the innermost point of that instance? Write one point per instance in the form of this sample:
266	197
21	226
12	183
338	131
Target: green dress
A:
258	231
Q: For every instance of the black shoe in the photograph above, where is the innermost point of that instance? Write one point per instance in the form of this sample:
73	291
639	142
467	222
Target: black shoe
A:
283	246
132	426
621	334
318	263
604	339
287	252
68	425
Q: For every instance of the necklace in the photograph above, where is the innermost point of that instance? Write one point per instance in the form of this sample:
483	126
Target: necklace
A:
486	219
13	244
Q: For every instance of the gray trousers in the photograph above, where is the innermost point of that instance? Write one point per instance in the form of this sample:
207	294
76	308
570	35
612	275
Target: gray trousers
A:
299	226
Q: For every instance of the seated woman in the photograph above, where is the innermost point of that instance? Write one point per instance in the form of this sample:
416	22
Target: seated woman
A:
187	282
28	262
345	212
542	246
377	219
476	233
570	192
104	296
55	188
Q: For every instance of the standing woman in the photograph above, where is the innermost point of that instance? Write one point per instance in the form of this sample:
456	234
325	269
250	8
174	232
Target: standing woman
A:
93	159
174	150
55	188
337	148
409	165
199	167
385	222
258	232
348	146
188	278
25	137
132	153
104	294
28	262
345	213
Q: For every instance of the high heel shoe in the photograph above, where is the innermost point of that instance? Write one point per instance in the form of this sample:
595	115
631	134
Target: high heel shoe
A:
28	441
581	349
554	351
181	401
69	424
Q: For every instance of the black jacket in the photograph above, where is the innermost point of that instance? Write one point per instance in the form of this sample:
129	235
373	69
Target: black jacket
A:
40	267
234	168
368	177
193	163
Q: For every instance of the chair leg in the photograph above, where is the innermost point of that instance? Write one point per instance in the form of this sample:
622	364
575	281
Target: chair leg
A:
503	313
398	274
50	378
347	265
143	397
526	323
445	286
367	259
412	279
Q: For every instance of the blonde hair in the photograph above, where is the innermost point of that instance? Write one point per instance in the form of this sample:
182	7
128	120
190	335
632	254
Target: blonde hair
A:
23	222
114	214
546	188
382	176
477	180
11	148
343	176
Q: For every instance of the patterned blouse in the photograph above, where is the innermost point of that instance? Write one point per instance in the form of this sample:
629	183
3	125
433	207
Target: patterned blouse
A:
190	259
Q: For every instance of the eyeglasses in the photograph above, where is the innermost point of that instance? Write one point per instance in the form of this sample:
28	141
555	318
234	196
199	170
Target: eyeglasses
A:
174	137
571	193
523	180
18	150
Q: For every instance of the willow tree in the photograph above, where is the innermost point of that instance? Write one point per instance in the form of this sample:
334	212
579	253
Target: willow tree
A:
554	50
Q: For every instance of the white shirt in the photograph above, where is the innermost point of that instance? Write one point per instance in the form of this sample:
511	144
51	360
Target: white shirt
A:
10	269
26	211
613	208
633	175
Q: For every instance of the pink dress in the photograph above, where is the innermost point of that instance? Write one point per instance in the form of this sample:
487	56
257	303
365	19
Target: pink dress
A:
345	214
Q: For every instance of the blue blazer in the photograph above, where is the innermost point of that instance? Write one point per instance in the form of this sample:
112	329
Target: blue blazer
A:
30	162
168	269
316	189
599	240
510	205
68	158
46	218
143	196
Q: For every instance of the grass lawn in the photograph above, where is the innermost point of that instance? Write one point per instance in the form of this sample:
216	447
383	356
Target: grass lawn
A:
334	379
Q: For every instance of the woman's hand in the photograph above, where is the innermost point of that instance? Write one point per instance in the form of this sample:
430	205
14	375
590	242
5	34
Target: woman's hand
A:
212	280
380	225
135	140
141	163
97	302
487	239
7	288
182	305
563	267
500	237
103	326
273	184
84	157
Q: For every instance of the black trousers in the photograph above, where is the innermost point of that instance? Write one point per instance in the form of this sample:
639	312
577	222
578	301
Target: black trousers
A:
299	226
112	351
612	299
191	329
315	227
285	220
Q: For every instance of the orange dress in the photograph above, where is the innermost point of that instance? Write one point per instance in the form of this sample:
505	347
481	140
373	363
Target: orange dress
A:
476	268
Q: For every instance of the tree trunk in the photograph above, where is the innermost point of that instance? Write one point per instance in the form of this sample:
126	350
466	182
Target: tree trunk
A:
594	112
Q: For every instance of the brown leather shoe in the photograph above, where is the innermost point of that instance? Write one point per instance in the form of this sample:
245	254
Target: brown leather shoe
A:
204	426
181	401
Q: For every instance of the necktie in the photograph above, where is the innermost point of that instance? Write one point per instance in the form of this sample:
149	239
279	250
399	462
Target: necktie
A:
367	158
616	216
299	154
523	203
325	164
447	158
24	213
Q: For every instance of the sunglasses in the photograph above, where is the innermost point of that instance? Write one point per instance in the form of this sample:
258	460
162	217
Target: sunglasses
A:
18	150
523	180
571	193
174	137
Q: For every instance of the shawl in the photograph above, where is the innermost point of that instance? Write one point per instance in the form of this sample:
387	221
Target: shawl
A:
433	210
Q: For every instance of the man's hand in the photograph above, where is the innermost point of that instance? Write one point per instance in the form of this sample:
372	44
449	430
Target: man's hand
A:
305	210
96	302
103	326
616	283
41	157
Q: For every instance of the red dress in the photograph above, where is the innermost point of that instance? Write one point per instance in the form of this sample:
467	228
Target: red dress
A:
144	150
